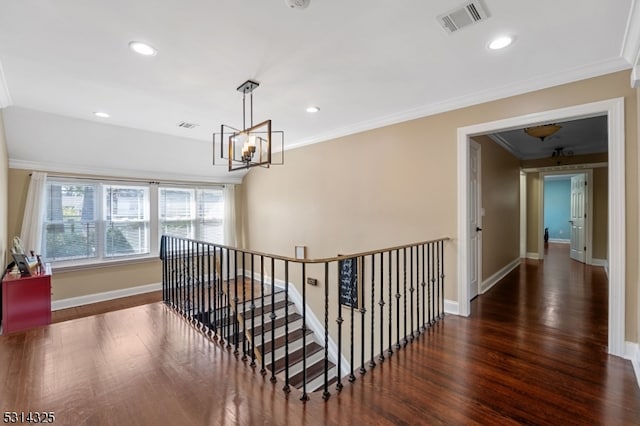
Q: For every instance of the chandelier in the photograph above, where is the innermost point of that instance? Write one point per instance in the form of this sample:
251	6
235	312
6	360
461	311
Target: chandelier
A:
252	145
542	132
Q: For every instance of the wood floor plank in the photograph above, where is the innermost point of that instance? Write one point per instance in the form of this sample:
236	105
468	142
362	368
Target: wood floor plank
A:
533	351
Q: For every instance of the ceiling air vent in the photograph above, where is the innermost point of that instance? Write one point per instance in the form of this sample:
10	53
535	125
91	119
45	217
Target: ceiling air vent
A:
470	12
187	125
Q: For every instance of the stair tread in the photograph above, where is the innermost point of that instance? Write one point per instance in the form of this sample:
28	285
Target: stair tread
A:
259	310
313	371
279	322
280	341
295	357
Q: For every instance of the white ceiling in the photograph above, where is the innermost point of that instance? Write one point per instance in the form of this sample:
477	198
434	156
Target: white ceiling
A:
365	63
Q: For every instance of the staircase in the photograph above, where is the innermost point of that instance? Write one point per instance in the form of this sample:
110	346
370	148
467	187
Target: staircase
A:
284	331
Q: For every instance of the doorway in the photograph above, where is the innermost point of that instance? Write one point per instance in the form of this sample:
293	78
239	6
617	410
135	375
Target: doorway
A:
614	110
567	211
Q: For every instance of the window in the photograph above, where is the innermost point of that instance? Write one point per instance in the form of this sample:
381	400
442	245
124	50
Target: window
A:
196	213
93	221
70	224
126	219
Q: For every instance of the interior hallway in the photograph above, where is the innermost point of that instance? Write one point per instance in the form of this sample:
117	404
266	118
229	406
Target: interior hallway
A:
533	351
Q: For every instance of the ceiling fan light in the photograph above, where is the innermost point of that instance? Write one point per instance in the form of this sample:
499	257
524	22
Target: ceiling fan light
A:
542	132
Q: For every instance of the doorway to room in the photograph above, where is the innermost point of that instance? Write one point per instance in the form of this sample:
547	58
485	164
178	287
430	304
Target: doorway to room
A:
615	237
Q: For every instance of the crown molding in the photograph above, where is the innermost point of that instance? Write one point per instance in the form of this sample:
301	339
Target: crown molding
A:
631	41
539	83
216	177
631	44
5	97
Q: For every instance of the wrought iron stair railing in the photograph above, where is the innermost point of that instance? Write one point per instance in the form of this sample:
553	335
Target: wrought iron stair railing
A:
367	306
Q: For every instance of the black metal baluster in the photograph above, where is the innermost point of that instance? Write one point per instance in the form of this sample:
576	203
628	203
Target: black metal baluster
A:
352	377
201	309
363	311
441	264
189	280
381	303
236	325
411	291
193	277
390	351
326	394
286	387
253	315
244	308
404	293
272	317
164	268
423	284
215	289
263	370
179	277
210	300
417	282
372	362
339	321
227	320
304	396
433	285
398	295
176	265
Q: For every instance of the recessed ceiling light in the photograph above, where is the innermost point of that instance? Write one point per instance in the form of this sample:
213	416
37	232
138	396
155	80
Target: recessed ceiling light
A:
101	114
500	43
313	109
143	48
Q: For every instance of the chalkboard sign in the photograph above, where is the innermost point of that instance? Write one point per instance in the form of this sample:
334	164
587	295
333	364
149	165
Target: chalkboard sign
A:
349	283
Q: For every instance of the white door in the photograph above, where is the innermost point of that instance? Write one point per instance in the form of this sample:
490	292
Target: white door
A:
578	214
475	220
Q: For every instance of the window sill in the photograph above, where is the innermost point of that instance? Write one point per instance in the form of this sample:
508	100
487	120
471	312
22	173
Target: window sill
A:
103	264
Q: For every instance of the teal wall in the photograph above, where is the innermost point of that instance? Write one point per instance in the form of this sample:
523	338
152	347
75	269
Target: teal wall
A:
557	207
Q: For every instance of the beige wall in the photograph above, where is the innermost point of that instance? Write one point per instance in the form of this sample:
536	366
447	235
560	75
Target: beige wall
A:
4	196
501	203
397	184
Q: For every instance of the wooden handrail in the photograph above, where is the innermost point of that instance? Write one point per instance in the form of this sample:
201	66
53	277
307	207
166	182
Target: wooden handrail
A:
321	260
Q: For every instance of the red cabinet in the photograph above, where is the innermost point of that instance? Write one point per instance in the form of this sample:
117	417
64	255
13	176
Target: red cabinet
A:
26	302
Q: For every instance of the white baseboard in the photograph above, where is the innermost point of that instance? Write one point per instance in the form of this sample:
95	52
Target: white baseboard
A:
534	256
559	241
451	307
72	302
632	353
599	262
493	279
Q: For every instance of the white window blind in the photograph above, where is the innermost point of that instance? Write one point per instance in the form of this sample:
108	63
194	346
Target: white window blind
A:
196	213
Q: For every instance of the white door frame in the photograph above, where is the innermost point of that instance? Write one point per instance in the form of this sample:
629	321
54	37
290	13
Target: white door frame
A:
614	110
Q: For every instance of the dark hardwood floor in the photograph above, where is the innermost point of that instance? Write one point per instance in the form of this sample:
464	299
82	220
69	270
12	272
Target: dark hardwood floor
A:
104	307
532	352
